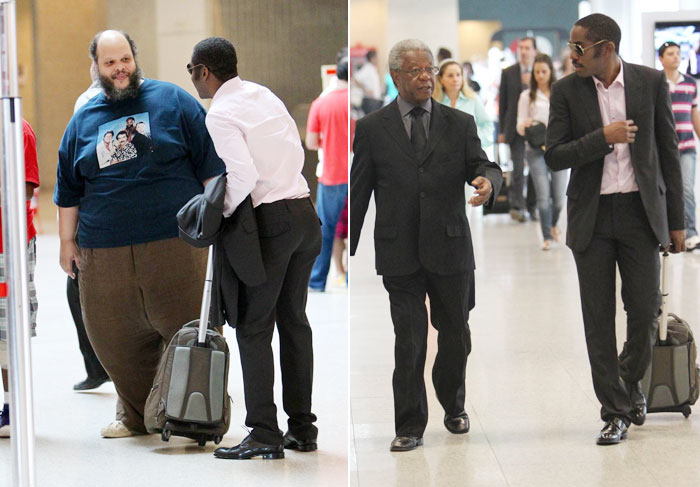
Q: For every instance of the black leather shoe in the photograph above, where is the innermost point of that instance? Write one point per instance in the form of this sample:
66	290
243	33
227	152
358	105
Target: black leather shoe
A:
639	403
90	383
291	442
614	431
250	448
405	443
457	425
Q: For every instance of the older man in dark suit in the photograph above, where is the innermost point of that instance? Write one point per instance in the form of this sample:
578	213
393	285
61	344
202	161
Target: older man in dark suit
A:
611	122
416	155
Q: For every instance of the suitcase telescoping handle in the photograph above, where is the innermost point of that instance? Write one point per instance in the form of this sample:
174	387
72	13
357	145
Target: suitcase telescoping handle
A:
206	299
663	322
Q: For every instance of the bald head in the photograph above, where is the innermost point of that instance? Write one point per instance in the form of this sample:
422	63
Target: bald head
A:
114	53
110	38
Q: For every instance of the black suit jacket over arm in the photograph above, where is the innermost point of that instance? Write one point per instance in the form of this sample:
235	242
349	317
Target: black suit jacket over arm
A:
508	95
575	140
421	218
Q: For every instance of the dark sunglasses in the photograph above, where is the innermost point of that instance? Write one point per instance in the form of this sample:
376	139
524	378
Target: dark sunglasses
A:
191	68
580	50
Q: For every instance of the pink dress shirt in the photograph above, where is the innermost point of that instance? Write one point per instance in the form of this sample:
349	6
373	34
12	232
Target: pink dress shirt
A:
618	173
258	141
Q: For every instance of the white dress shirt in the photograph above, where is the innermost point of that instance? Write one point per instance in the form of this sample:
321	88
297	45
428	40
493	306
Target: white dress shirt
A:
618	173
93	90
537	111
368	78
258	141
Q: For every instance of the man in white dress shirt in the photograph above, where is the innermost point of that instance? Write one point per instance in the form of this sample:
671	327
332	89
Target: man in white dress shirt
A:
259	142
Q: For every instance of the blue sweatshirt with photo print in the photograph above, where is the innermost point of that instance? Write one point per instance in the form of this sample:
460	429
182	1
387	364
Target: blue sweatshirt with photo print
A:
157	156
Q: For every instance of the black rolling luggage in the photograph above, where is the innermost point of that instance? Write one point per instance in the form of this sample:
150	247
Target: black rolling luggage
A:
671	381
501	203
189	396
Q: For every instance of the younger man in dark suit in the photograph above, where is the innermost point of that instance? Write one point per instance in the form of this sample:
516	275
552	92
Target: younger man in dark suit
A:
612	124
415	155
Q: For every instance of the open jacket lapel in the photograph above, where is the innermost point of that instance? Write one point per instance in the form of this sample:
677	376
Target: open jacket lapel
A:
438	127
589	102
633	97
394	125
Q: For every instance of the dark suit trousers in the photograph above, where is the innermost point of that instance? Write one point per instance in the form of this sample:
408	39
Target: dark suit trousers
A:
93	367
451	298
622	237
290	240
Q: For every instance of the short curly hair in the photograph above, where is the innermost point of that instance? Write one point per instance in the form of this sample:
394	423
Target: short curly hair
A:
217	54
599	27
400	47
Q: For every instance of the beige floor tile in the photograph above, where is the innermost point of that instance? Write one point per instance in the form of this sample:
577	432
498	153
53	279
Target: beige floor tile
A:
533	411
556	474
70	452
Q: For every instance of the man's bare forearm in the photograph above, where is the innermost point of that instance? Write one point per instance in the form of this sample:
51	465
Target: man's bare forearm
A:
67	223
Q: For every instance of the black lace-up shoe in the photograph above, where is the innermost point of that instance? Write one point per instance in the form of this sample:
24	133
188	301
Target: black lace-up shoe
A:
614	431
250	448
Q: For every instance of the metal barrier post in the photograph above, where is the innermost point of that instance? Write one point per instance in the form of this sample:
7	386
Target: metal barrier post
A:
14	229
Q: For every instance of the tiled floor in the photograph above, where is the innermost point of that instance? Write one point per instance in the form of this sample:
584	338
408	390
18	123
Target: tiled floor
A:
70	452
534	415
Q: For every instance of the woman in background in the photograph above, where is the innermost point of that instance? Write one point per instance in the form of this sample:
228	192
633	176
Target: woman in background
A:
550	186
451	90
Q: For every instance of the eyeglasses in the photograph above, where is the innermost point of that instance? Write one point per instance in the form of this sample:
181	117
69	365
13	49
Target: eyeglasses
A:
580	50
191	68
415	72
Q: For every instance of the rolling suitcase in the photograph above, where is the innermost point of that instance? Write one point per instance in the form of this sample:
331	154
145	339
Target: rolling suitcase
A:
500	202
670	384
189	396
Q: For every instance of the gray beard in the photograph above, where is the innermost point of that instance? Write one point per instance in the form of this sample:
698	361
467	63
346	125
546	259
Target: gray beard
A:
116	94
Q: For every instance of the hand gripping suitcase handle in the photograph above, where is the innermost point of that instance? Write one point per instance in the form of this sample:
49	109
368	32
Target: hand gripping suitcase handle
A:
663	321
206	299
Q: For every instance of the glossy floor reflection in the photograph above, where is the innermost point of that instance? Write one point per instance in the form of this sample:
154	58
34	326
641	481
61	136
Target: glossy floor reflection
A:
71	453
534	415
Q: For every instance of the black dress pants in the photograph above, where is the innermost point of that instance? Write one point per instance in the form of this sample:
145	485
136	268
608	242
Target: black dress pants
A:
290	240
93	367
622	238
451	298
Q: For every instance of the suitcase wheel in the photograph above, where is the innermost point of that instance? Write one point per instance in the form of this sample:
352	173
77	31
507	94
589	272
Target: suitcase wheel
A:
165	435
686	411
217	440
202	440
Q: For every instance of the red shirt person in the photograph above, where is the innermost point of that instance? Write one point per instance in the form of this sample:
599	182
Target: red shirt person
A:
327	129
31	177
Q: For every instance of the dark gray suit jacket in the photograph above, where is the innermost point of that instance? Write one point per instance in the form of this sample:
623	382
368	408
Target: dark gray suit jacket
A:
421	219
508	96
575	140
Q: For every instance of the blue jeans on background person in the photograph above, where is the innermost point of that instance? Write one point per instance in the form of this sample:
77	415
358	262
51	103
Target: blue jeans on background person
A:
550	187
688	172
330	201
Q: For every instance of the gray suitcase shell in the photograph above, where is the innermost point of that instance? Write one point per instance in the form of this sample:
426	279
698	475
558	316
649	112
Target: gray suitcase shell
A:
672	379
189	396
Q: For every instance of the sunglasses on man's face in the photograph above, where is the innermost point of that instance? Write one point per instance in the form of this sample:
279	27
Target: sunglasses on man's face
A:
580	50
191	68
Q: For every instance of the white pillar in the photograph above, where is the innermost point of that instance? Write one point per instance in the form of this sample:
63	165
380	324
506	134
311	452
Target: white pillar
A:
435	23
180	24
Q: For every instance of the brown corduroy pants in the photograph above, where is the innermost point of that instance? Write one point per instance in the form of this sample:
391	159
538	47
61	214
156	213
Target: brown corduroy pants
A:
134	299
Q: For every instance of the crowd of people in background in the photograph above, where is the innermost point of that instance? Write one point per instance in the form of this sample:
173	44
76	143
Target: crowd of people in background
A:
510	106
